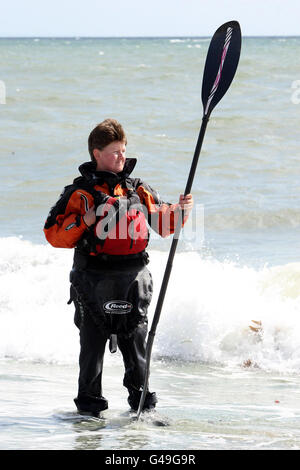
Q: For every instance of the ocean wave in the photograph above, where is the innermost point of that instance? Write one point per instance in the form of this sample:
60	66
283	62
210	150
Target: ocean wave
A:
172	41
252	219
206	316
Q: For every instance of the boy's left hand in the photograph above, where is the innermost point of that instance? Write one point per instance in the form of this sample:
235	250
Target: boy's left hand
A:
186	203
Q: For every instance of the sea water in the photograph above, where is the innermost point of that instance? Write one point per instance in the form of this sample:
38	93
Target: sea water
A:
221	384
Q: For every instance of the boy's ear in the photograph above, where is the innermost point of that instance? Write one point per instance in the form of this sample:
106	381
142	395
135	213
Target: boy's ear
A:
96	153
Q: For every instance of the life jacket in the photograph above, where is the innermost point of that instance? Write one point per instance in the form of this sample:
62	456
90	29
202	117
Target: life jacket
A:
121	226
138	208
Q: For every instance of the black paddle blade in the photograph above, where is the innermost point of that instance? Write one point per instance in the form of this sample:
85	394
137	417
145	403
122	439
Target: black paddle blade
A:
221	64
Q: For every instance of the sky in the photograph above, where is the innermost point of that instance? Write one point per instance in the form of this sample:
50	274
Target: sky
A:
126	18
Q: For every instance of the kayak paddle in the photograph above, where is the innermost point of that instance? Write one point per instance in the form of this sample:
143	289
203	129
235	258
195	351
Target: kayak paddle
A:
220	67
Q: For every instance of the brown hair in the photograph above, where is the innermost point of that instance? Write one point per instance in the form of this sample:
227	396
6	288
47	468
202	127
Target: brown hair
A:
104	134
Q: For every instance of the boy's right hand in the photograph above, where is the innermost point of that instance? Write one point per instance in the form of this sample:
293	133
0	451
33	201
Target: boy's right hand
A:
89	217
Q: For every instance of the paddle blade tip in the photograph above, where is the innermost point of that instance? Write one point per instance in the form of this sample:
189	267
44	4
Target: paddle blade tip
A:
221	64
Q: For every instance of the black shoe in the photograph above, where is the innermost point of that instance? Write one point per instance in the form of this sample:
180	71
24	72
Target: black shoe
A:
134	400
90	405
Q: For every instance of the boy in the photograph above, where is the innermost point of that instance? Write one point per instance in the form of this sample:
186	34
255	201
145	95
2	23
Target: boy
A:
104	215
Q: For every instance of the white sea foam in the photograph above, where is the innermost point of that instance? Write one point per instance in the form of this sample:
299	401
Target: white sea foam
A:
205	318
211	305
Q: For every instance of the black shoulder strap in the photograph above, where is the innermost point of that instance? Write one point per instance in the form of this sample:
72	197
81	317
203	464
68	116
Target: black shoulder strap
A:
83	183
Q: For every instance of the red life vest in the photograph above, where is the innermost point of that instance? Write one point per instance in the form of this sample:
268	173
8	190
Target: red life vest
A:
121	227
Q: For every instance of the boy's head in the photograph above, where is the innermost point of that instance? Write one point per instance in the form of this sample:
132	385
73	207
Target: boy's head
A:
104	134
107	146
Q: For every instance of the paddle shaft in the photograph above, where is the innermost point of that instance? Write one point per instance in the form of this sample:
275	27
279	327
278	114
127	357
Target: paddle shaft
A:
178	229
169	265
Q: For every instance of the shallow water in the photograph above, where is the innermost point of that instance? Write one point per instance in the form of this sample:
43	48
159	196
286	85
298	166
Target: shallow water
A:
199	405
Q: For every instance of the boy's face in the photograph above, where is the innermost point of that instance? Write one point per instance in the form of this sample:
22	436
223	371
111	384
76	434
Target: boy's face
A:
111	158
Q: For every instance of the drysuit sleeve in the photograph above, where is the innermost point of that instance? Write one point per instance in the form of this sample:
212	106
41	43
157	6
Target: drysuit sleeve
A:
162	216
64	225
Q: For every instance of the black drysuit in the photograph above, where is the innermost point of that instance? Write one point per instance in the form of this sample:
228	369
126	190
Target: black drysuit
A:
111	293
93	291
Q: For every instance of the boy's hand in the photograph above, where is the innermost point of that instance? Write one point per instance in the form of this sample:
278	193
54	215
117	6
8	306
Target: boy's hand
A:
186	203
89	217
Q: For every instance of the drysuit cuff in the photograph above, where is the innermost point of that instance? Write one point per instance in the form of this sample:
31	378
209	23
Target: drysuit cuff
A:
83	223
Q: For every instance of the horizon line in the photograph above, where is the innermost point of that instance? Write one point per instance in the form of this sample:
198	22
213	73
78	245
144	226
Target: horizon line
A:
145	37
